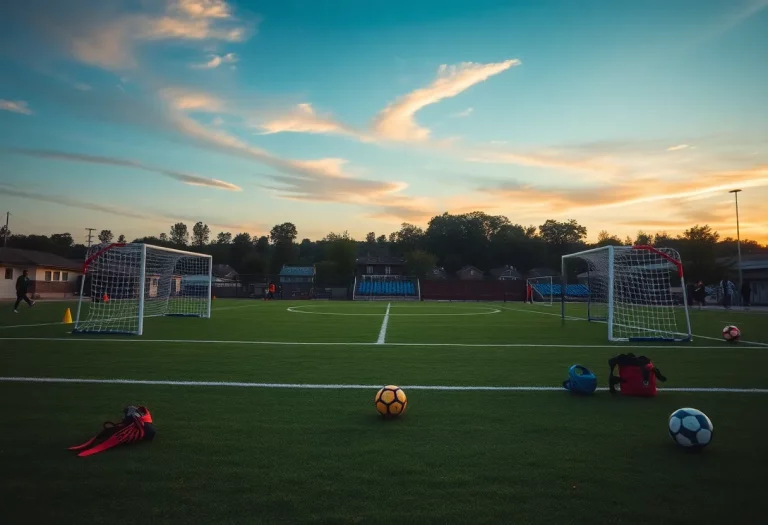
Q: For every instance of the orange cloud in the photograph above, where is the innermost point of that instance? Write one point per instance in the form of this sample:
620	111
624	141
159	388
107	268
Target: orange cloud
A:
304	119
396	121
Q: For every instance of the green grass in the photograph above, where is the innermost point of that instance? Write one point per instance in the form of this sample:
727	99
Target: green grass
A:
279	455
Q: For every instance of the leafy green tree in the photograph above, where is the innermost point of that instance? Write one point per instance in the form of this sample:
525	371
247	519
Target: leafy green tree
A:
179	234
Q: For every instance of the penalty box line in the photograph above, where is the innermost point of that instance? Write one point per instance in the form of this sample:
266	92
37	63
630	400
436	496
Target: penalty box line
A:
568	318
138	340
312	386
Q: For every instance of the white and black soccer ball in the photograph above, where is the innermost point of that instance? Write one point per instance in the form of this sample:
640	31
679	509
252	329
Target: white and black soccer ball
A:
690	428
731	333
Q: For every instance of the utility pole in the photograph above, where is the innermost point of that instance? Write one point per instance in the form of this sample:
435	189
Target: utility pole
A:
5	236
738	236
90	235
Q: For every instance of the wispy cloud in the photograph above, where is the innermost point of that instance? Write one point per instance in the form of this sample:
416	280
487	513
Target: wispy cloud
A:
186	100
304	119
678	147
465	113
132	213
627	193
186	178
15	106
396	121
215	61
109	36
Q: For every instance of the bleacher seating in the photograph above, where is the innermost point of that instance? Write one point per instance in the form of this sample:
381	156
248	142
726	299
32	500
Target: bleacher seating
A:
571	290
385	288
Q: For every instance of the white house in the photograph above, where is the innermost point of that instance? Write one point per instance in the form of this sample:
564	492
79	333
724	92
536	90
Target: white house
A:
52	276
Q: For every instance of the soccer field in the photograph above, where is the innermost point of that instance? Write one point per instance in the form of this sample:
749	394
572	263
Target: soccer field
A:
275	421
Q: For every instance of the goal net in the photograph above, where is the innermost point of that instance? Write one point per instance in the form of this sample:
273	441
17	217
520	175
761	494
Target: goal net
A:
639	291
542	290
386	287
125	283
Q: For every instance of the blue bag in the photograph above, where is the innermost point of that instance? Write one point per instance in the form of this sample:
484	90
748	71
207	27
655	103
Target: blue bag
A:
580	380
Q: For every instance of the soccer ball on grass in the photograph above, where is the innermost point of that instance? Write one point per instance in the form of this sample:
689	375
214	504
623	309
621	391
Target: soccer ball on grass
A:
690	428
391	401
731	333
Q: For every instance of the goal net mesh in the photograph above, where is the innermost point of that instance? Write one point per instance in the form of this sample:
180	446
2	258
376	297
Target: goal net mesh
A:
175	283
637	290
387	287
542	290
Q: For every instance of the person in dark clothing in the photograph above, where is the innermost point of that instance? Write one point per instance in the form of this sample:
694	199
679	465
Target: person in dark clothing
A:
689	293
746	292
700	294
22	287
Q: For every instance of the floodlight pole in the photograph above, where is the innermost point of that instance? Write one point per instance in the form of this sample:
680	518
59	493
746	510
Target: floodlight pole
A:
738	237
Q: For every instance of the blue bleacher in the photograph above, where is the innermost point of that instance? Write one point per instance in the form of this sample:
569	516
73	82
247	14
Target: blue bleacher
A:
571	290
386	288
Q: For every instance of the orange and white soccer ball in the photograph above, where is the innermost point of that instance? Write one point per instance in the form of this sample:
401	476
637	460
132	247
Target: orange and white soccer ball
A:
391	401
731	333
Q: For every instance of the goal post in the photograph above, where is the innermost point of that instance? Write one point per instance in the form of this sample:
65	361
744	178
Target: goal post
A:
123	284
638	291
542	290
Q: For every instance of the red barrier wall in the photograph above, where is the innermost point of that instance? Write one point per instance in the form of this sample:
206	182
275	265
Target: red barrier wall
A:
472	290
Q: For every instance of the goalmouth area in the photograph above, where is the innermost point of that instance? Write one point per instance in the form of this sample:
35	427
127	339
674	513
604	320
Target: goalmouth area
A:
265	414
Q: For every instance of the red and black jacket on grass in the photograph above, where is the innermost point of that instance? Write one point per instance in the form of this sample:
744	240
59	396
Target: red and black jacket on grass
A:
136	426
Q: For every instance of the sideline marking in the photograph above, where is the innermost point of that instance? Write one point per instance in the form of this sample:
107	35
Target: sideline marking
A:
162	382
486	311
567	318
138	339
384	323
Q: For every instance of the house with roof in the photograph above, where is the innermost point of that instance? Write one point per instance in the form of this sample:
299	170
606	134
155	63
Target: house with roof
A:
754	270
470	273
379	266
51	275
506	273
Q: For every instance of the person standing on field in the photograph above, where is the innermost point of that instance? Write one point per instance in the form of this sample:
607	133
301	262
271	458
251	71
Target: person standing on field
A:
746	292
728	289
22	288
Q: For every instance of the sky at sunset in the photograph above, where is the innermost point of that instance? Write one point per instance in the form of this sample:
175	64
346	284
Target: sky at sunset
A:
628	115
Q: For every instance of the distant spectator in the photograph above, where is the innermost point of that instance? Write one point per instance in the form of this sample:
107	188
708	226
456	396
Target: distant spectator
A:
746	292
22	288
728	288
700	294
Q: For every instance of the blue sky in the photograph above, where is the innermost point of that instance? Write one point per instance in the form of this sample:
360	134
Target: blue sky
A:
130	115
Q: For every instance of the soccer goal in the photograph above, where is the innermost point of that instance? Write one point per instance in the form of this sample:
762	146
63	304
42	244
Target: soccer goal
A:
639	291
386	288
125	283
542	290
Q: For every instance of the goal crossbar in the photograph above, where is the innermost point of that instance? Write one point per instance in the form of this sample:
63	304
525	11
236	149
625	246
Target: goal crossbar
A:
124	283
638	291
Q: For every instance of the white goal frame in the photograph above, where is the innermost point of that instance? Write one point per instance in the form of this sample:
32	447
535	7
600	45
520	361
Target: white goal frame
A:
132	281
542	290
630	289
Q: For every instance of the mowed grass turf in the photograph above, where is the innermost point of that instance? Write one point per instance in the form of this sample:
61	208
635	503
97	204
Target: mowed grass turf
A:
269	455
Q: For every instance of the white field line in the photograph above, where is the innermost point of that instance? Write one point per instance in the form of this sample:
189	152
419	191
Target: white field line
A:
567	318
311	386
616	346
383	332
485	311
59	322
28	325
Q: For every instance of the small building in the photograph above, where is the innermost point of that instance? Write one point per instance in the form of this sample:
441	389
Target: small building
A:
380	266
470	273
297	282
506	273
51	275
754	270
224	273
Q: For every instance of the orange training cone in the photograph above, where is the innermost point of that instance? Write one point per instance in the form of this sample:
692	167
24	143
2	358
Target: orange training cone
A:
105	298
67	317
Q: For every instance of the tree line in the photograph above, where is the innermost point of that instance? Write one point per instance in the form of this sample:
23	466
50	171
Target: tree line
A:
449	242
